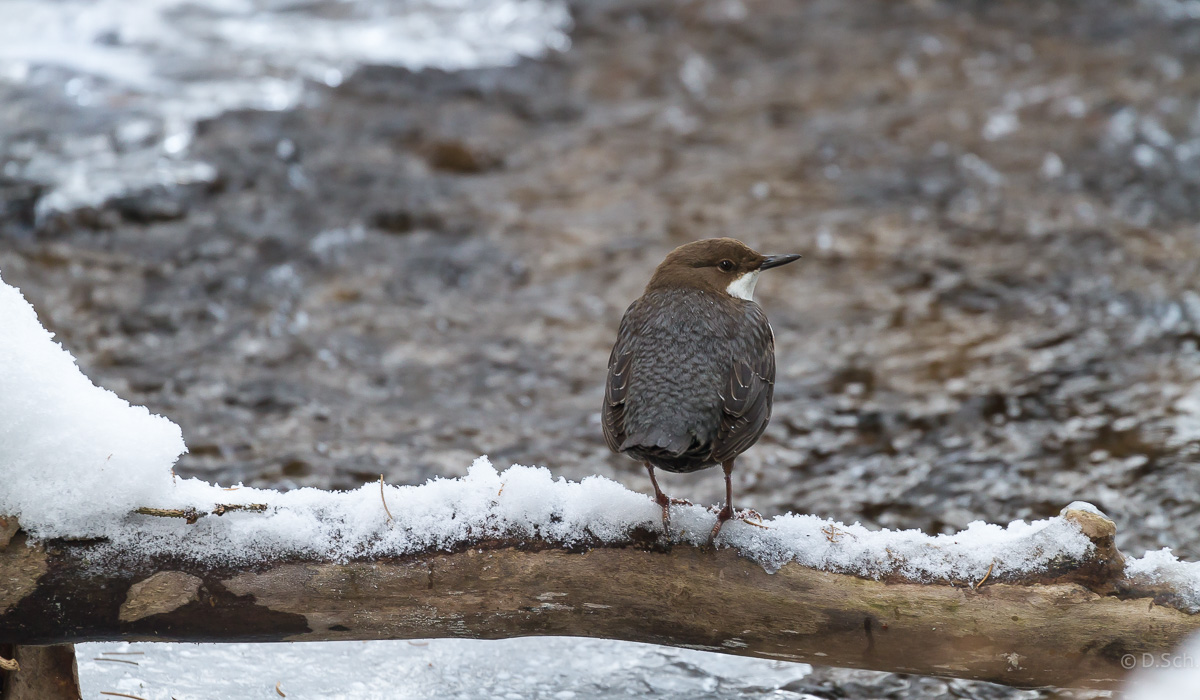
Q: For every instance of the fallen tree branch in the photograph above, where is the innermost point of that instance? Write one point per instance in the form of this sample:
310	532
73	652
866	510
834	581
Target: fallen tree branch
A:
1086	616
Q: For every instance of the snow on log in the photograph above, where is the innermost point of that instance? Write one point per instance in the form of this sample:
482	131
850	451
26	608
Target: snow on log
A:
1068	624
112	546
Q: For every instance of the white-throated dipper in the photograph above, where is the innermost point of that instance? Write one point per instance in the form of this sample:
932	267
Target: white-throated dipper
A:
692	373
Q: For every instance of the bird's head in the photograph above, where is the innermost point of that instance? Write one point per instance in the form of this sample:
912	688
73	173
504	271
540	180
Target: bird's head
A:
724	265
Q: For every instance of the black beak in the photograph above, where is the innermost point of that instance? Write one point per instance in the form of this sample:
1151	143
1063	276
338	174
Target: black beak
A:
777	260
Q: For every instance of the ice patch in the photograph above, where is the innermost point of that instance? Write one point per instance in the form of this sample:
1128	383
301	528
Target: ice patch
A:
531	668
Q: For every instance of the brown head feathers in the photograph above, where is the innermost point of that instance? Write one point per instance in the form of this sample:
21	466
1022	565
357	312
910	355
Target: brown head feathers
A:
715	264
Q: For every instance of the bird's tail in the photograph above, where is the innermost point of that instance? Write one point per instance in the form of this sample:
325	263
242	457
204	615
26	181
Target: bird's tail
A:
658	440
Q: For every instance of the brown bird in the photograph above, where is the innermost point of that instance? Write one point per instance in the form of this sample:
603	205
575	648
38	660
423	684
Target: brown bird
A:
692	373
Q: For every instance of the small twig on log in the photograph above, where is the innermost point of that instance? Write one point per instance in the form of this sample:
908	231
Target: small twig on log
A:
277	690
121	695
249	508
385	508
985	576
9	665
117	661
192	515
189	514
746	519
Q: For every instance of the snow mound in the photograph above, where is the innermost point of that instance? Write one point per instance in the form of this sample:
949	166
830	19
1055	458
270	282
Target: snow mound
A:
442	514
73	456
1163	568
966	556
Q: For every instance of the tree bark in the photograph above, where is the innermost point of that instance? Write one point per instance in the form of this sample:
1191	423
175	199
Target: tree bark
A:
1069	626
42	673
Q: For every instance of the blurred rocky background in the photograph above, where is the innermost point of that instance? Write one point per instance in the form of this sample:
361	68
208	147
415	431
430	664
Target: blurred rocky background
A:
372	264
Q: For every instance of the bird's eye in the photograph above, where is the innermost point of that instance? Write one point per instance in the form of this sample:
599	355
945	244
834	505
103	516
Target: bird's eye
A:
726	265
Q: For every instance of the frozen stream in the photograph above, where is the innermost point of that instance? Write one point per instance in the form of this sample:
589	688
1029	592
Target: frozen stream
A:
530	668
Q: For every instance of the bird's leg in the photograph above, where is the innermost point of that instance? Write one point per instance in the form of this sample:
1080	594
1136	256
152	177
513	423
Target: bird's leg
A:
727	512
662	500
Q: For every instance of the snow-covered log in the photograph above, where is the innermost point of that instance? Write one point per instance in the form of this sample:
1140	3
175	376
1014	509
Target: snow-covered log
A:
112	546
1070	624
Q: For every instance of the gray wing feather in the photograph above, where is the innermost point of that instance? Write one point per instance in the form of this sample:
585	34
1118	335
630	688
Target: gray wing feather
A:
746	400
620	367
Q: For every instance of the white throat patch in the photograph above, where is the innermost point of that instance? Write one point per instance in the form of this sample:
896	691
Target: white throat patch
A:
743	286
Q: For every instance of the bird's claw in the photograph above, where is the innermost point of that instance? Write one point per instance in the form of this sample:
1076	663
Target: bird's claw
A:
728	513
662	500
665	502
745	516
